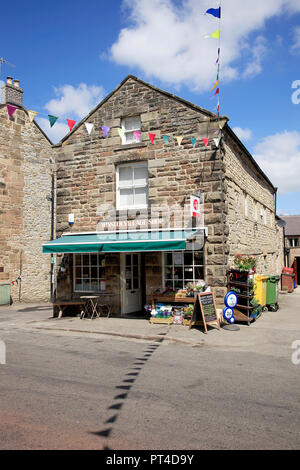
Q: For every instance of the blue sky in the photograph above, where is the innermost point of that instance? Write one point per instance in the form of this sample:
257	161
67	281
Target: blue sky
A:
68	55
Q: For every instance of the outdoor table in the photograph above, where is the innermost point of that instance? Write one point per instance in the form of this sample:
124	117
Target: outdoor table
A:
90	306
63	304
103	304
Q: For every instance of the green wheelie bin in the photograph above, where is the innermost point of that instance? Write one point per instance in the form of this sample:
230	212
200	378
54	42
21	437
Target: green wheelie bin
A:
272	292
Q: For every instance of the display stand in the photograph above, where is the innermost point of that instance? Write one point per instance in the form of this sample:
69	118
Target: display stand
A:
242	312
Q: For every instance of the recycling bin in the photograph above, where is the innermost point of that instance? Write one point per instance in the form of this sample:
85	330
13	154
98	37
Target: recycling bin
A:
272	292
4	293
260	289
287	282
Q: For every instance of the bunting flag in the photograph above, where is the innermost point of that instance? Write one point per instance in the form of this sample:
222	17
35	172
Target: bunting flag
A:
216	35
217	140
52	119
216	84
205	141
71	123
137	135
166	139
89	127
217	91
179	139
10	109
31	115
152	137
121	132
216	12
218	58
193	140
105	130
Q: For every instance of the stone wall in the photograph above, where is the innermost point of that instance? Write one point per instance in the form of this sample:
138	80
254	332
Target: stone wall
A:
250	211
25	209
86	164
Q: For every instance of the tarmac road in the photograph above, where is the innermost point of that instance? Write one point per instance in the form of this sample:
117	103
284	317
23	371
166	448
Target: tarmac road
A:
76	391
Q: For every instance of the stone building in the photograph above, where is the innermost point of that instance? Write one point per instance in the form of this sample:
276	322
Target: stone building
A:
117	172
26	167
292	243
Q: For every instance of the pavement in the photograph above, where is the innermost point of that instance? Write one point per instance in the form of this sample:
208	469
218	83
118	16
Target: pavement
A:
272	333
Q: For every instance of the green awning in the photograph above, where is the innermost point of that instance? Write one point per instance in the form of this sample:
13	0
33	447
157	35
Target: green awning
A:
121	242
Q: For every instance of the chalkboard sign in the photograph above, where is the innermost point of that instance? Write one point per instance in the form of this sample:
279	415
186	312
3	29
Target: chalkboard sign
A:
205	311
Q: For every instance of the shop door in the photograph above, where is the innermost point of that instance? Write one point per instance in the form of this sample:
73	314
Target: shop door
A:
131	282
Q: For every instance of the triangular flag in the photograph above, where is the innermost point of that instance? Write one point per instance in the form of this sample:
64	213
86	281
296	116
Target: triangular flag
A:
217	91
205	141
179	139
218	58
193	140
10	109
214	11
166	139
89	127
52	119
152	137
215	35
71	123
121	132
31	115
137	135
217	141
105	130
217	83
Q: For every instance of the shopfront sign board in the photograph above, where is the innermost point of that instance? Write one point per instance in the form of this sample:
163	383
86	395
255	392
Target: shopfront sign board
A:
205	311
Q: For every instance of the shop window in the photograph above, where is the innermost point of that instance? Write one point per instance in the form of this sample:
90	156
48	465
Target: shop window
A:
89	273
181	267
132	186
129	126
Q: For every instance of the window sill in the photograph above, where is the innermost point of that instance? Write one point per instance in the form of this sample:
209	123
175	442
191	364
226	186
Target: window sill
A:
130	146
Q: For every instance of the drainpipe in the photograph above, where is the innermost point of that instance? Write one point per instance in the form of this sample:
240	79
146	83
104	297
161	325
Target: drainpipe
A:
52	238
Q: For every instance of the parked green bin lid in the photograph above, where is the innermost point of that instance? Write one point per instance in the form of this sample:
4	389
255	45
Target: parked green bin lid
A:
274	278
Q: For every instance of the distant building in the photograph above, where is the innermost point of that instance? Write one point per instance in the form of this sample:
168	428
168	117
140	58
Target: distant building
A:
26	167
292	243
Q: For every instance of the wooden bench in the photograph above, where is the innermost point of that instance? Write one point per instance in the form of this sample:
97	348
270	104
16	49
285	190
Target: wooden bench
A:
63	304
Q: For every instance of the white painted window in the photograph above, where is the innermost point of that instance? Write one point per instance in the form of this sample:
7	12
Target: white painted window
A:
182	267
293	242
89	272
129	125
132	186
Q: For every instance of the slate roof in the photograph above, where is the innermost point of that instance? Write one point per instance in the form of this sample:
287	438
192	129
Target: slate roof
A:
292	224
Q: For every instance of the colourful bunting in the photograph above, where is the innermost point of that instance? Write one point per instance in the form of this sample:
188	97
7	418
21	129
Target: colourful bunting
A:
217	91
152	137
10	109
193	140
218	58
215	35
71	123
166	139
32	115
52	119
105	130
89	127
205	140
121	132
137	135
216	12
216	84
179	139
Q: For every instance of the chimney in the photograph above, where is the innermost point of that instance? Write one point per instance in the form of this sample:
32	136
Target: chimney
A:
12	93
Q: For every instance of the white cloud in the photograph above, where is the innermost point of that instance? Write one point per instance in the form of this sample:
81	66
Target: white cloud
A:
166	41
70	103
243	134
279	155
76	102
296	46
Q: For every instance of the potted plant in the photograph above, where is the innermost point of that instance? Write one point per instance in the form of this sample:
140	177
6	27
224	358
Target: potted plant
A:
243	266
189	288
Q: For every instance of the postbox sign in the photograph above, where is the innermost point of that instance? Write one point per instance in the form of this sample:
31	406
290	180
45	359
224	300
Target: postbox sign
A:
195	206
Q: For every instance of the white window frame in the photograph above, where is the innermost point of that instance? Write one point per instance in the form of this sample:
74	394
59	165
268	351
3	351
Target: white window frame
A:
126	131
133	186
99	266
